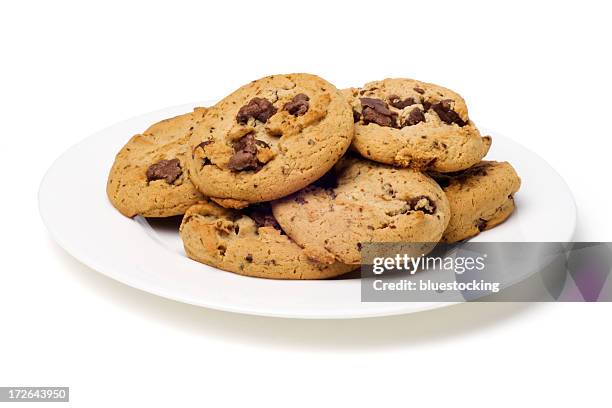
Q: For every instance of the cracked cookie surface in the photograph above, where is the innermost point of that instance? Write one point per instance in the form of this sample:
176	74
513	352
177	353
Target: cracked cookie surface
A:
248	242
408	123
149	175
480	198
360	201
270	138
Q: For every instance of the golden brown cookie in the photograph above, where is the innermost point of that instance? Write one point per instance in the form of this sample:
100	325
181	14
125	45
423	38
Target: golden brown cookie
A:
358	202
149	175
408	123
248	243
480	198
270	138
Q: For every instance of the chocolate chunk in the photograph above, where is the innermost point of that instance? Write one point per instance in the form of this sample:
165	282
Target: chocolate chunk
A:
378	105
419	90
245	154
422	203
416	116
398	103
481	224
260	109
446	113
426	106
243	160
261	214
298	105
168	170
377	111
356	116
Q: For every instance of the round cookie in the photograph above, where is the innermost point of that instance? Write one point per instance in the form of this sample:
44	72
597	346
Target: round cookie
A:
360	201
248	243
414	124
480	198
149	174
269	139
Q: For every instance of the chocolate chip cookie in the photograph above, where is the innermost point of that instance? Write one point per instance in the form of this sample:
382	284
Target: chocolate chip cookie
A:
480	198
248	242
269	139
408	123
361	201
149	176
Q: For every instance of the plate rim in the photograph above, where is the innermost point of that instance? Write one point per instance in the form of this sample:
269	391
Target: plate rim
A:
398	308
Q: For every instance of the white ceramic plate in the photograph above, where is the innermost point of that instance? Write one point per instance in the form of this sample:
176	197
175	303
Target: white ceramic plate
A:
148	254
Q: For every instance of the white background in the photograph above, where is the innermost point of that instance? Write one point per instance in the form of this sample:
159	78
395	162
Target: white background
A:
539	73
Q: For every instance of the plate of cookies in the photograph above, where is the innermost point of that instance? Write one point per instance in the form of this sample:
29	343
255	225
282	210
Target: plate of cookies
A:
260	203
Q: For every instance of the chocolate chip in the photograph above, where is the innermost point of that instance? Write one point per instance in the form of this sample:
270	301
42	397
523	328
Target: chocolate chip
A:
377	111
261	214
481	224
426	106
419	90
446	113
416	116
243	160
422	203
260	109
398	103
356	116
298	105
245	154
359	246
249	258
168	170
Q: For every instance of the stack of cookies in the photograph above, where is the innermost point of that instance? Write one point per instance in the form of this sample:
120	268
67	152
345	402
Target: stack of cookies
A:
288	177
